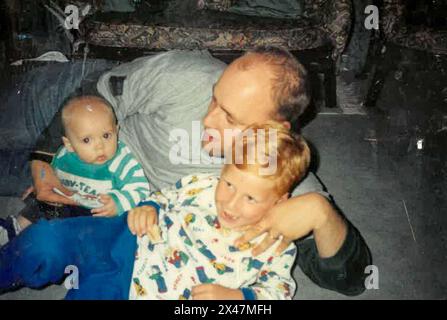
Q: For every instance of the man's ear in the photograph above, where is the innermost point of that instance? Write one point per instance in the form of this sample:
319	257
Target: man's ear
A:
67	144
286	124
284	197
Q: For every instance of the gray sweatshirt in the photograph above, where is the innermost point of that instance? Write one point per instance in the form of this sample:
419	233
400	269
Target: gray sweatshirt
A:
166	92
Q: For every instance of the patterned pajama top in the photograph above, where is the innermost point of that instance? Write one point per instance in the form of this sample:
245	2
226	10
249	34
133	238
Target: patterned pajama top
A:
195	250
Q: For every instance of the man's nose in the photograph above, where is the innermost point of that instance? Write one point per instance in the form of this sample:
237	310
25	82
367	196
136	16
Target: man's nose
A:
210	117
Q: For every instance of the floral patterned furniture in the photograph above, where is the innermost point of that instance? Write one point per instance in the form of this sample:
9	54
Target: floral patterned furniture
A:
325	22
318	39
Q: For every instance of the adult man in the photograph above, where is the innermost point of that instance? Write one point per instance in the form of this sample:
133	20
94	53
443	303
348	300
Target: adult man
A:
160	94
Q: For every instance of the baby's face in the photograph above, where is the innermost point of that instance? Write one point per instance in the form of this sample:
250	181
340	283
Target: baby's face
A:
243	198
93	135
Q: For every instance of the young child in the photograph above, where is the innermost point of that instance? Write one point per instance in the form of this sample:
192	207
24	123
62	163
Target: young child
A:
201	217
100	170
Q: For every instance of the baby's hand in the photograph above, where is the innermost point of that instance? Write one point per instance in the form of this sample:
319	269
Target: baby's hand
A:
109	208
143	220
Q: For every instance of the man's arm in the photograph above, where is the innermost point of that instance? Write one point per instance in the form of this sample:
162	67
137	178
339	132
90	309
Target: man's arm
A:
337	255
44	177
345	271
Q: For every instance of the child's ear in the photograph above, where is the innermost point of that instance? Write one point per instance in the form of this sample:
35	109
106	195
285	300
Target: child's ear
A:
284	197
67	144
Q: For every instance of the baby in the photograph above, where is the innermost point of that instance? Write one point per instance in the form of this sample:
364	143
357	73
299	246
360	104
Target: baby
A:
92	163
202	216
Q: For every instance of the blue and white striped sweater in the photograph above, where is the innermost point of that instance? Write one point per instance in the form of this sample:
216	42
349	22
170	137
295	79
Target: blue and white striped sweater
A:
121	177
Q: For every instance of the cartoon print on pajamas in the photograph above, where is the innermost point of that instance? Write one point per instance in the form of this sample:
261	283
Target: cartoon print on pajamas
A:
168	222
242	247
252	263
285	288
194	192
189	202
203	278
213	221
185	295
184	236
265	274
190	218
176	257
157	276
221	268
138	287
179	183
205	251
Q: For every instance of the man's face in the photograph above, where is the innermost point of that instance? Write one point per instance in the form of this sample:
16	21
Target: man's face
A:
240	99
243	198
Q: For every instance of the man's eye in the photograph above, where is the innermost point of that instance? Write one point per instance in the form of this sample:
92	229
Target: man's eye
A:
107	135
250	199
86	140
229	185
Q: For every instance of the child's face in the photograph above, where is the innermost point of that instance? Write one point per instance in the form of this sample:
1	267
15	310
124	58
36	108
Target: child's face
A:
92	134
243	198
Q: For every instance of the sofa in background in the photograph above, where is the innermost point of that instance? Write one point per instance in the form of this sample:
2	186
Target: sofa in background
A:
318	38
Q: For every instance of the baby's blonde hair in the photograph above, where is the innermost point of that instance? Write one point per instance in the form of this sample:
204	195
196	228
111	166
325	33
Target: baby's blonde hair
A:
291	151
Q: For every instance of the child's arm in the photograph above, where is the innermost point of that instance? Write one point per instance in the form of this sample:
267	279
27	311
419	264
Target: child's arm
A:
141	220
132	187
275	280
144	220
117	201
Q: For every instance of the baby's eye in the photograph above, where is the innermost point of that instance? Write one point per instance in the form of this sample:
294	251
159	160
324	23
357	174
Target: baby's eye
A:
86	140
106	135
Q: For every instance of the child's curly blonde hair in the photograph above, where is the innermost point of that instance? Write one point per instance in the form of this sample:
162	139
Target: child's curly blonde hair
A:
288	151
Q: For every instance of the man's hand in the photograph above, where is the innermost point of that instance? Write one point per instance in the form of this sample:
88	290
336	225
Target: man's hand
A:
143	220
109	208
296	218
27	193
215	292
44	180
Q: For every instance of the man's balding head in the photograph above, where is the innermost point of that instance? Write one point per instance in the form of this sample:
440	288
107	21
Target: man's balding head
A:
288	78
